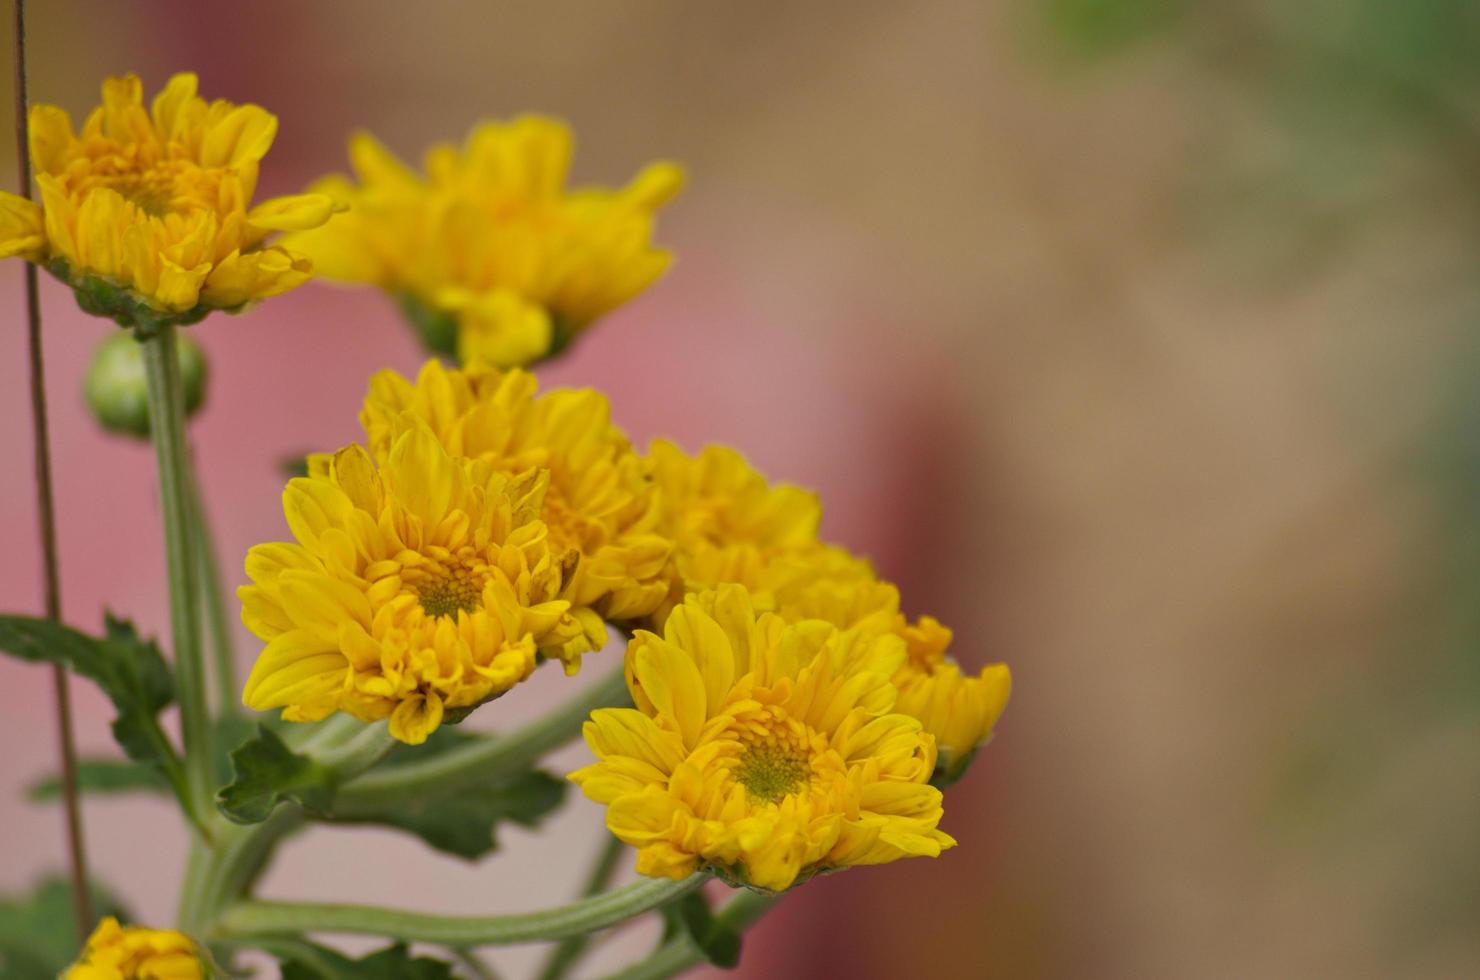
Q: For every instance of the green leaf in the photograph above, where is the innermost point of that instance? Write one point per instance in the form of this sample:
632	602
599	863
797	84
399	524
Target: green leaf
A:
119	776
463	823
37	936
691	915
269	773
130	671
314	962
103	776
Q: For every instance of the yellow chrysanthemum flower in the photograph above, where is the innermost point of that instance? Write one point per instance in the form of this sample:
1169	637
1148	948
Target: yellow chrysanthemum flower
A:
765	751
599	501
418	586
148	213
728	524
731	526
491	255
116	952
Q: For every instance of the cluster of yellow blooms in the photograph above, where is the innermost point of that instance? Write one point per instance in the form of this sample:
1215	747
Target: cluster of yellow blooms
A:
789	719
116	952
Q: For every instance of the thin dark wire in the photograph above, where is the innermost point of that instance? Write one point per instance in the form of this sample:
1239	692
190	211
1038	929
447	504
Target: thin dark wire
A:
81	900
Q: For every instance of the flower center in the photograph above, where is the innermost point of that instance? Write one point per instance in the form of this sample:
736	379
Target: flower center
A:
157	188
446	591
771	770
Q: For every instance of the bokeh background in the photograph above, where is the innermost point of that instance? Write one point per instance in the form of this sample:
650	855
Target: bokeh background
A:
1135	338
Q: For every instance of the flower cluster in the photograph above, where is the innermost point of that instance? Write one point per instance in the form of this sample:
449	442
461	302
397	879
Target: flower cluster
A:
491	255
116	952
148	213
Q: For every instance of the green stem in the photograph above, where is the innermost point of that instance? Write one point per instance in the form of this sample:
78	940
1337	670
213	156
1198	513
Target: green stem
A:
167	427
197	867
213	595
481	760
587	915
358	752
238	858
174	773
564	956
678	955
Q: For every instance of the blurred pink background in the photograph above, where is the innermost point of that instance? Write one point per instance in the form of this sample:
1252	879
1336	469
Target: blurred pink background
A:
1081	342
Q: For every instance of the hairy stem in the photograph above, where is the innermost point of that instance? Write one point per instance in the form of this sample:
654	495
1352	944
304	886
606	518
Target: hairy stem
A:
587	915
568	952
45	507
238	858
167	427
678	955
486	758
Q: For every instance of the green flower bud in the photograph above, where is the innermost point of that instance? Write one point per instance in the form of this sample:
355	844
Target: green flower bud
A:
116	389
437	329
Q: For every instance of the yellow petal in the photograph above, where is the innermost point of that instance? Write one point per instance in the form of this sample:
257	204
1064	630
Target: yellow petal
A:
374	164
242	136
502	329
424	478
655	186
51	138
179	287
169	109
355	473
120	97
243	278
673	684
297	212
416	718
292	663
22	228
